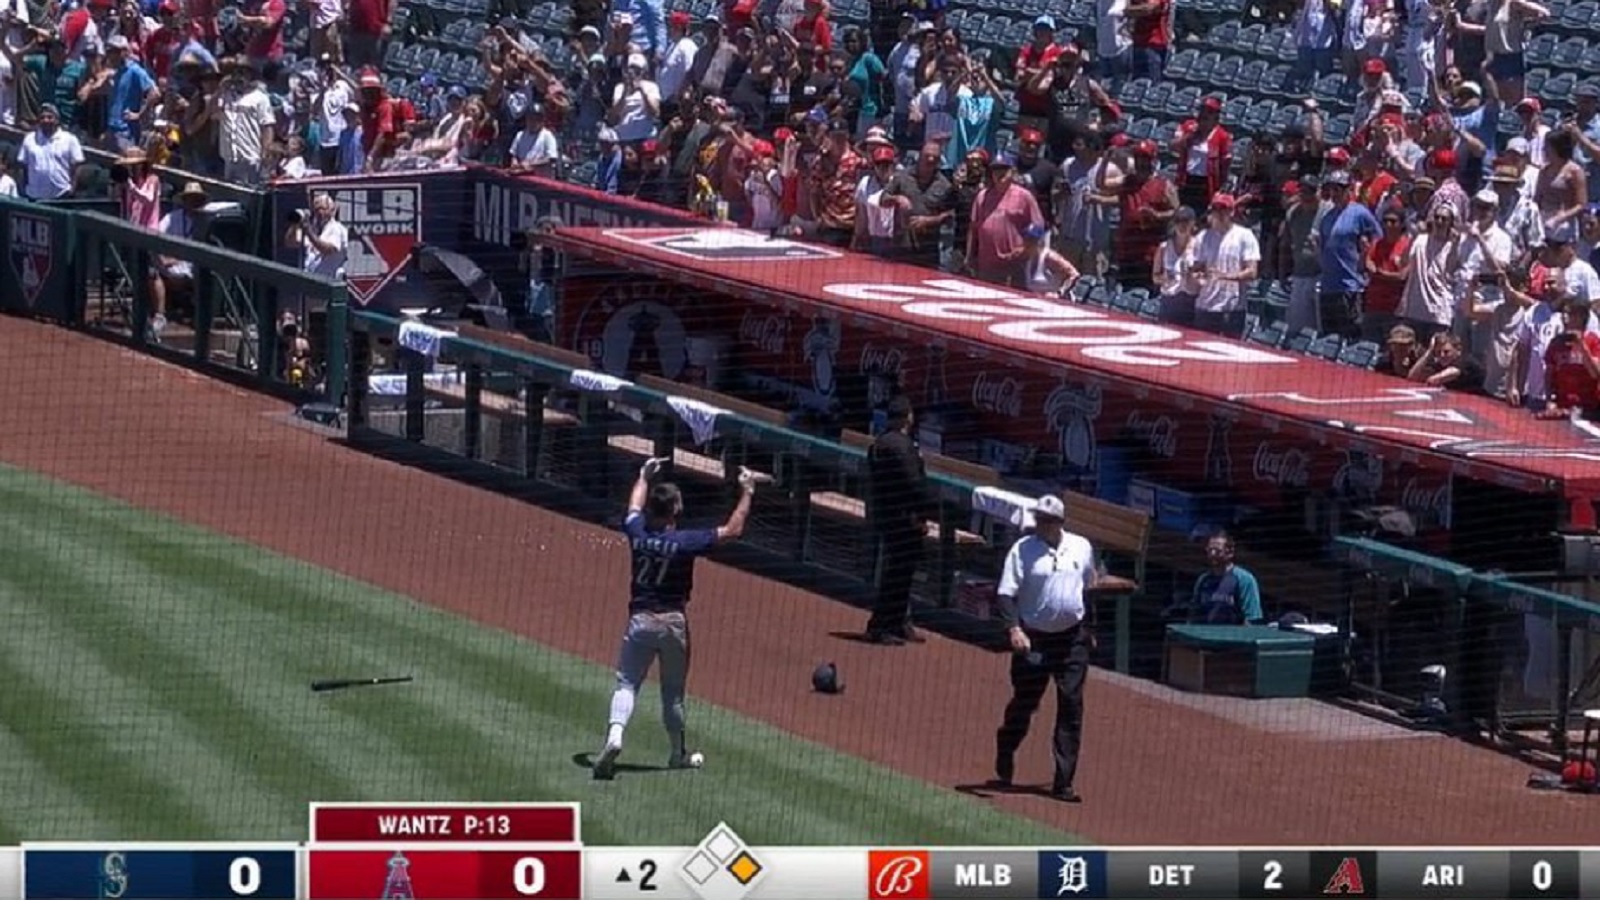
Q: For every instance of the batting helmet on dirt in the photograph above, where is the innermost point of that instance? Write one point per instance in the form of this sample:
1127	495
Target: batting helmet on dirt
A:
825	679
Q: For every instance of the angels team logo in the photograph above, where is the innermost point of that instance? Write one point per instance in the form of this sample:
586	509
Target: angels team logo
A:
633	330
384	224
31	243
397	884
727	245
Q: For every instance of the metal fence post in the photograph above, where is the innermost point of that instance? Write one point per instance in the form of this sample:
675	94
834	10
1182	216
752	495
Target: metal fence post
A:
339	350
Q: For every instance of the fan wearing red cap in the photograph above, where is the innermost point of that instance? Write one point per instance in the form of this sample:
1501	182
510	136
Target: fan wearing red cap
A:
379	123
1441	166
1034	61
1148	201
880	204
675	65
1034	171
1227	255
1205	153
764	188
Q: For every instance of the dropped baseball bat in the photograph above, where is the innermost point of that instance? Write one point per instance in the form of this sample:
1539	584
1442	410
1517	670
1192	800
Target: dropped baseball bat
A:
339	684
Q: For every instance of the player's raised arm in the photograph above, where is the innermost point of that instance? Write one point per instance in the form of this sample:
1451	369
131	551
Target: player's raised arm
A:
641	485
733	529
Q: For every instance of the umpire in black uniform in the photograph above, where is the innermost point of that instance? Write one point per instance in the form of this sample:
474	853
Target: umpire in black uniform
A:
899	506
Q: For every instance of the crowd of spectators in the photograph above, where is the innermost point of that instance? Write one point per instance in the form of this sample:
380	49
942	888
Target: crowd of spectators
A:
1463	249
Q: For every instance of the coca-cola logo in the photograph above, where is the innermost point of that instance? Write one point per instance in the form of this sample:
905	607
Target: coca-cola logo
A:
1287	467
1002	396
764	332
1430	505
1159	433
876	359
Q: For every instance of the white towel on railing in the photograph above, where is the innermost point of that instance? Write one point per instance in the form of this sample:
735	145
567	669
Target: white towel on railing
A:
395	385
1008	506
589	380
424	339
700	417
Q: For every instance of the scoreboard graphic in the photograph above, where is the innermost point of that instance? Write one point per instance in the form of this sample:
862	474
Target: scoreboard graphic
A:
511	851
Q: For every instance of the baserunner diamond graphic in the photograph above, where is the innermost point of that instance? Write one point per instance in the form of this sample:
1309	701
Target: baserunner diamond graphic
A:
723	867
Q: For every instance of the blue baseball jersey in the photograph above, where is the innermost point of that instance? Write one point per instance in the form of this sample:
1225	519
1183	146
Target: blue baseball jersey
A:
663	563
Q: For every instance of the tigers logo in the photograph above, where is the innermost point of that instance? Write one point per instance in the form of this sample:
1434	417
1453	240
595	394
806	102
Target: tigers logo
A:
897	875
30	244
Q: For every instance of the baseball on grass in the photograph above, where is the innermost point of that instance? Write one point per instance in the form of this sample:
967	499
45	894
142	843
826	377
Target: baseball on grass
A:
696	760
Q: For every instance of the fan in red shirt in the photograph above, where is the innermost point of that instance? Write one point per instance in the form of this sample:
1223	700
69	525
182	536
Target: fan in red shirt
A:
1572	365
1033	60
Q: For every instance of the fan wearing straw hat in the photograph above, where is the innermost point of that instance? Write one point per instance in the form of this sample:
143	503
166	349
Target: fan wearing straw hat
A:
173	276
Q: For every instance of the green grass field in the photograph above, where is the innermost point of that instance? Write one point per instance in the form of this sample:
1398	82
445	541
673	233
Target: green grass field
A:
156	687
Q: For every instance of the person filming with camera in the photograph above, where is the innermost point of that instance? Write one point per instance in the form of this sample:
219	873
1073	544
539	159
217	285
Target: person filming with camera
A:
320	237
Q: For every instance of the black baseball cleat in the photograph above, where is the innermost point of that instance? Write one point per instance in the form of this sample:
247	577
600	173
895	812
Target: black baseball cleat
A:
885	638
912	636
1065	795
1004	770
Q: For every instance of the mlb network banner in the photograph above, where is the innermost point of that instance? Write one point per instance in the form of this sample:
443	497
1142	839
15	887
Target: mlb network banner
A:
483	213
35	278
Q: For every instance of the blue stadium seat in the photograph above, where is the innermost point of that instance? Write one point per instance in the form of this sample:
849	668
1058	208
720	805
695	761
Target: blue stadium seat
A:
1285	50
1248	42
1539	49
1569	53
1226	72
1257	120
1301	341
1234	111
1576	17
1248	81
1156	100
1558	88
1183	103
1179	66
1329	89
1275	81
1272	335
1533	82
1150	308
1327	347
1362	355
1132	95
1128	301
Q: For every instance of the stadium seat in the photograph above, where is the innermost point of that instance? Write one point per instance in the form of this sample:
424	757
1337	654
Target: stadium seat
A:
1248	41
1128	301
1248	81
1257	120
1338	128
1569	53
1362	355
1132	95
1179	66
1533	82
1576	17
1099	295
1233	113
1557	89
1156	100
1329	90
1326	347
1183	103
1082	287
1150	308
1540	48
1271	335
1301	341
1204	68
1274	82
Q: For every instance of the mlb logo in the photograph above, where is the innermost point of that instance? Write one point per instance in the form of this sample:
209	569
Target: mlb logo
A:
30	246
729	245
1072	873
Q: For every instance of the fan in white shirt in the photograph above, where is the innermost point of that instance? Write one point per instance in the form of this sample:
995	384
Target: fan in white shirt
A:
534	147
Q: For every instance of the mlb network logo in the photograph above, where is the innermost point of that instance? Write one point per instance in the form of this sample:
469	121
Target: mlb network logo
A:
898	875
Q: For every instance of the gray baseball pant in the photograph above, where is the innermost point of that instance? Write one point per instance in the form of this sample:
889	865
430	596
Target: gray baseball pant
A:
652	635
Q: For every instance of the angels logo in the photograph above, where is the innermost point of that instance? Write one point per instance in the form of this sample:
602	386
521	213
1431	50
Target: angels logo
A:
1289	467
1002	396
1429	505
727	245
631	330
1219	453
1360	478
769	332
821	346
1070	412
385	224
1159	433
31	244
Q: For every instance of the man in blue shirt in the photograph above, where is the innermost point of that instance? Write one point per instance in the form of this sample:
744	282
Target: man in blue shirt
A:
1344	233
663	577
131	88
1227	594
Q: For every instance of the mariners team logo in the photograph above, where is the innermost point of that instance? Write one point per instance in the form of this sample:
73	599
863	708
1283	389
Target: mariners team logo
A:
727	245
385	224
113	876
30	244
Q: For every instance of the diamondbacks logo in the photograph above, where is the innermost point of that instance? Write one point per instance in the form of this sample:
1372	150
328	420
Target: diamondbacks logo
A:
385	224
1346	879
727	245
897	875
30	244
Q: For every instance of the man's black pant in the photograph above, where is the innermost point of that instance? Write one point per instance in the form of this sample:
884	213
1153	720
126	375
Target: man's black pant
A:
1063	657
902	550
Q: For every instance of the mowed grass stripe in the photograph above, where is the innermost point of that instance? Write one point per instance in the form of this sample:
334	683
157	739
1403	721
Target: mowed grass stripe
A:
85	728
51	804
301	748
207	751
491	716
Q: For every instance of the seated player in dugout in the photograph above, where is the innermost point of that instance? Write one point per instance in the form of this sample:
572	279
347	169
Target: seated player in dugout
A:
1226	593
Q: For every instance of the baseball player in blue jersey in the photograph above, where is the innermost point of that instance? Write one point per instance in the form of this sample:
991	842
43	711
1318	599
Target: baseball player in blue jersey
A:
663	577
